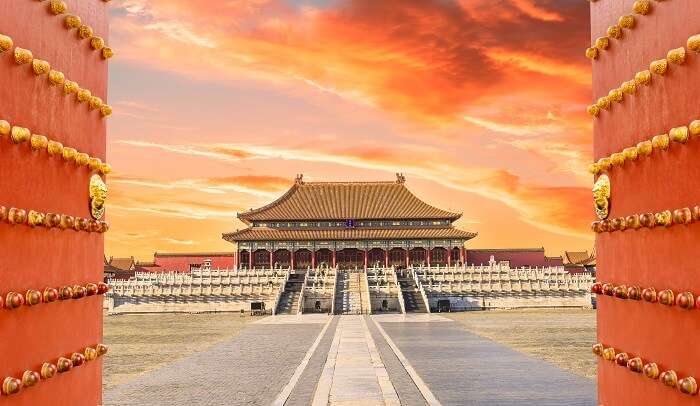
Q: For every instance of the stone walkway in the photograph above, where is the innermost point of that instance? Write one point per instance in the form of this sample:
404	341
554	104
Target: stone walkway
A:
406	389
356	360
305	388
250	369
461	368
354	373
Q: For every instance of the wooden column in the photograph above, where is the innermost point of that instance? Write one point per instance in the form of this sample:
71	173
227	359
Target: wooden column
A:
271	258
449	257
427	256
366	259
461	256
250	259
334	258
313	259
386	258
406	255
291	259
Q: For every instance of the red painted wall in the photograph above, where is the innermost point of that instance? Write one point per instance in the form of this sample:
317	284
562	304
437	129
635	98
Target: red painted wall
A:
155	268
554	261
517	258
182	263
663	258
37	258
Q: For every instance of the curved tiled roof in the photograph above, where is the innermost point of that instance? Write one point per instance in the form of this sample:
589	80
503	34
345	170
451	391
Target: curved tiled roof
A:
579	257
271	234
122	263
347	200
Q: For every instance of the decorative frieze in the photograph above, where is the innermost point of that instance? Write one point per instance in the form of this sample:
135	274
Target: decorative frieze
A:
345	244
346	224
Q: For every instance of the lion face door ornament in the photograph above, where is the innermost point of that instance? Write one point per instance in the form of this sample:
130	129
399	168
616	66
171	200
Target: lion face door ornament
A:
601	197
98	196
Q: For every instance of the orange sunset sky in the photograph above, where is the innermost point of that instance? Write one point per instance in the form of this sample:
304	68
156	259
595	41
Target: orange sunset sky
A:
219	104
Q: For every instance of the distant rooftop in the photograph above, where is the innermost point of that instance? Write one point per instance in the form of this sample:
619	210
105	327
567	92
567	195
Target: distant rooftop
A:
580	258
122	263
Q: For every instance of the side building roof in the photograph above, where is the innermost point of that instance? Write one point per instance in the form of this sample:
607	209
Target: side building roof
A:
122	263
346	200
579	258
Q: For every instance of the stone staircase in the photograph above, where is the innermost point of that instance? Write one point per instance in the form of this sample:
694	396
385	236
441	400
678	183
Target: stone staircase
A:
347	293
289	300
413	301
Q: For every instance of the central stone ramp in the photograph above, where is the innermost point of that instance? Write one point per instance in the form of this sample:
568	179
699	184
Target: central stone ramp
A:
354	373
348	299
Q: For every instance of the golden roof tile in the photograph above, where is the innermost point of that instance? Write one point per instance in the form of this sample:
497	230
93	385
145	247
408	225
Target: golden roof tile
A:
347	200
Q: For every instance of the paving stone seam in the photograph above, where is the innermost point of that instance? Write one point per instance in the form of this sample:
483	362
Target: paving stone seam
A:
287	390
425	391
323	388
389	394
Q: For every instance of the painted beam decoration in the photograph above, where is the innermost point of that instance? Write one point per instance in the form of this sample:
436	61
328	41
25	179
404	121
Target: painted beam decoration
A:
645	61
339	245
53	86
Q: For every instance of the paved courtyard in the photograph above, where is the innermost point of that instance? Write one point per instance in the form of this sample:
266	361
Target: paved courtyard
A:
417	359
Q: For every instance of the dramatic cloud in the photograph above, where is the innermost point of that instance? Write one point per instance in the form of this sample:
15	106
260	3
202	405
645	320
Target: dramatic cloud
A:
427	60
259	186
178	242
529	8
229	154
557	209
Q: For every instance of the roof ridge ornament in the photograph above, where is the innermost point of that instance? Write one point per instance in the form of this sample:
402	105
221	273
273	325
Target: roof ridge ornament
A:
400	178
299	180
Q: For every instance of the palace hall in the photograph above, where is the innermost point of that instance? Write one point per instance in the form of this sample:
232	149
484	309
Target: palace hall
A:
348	225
